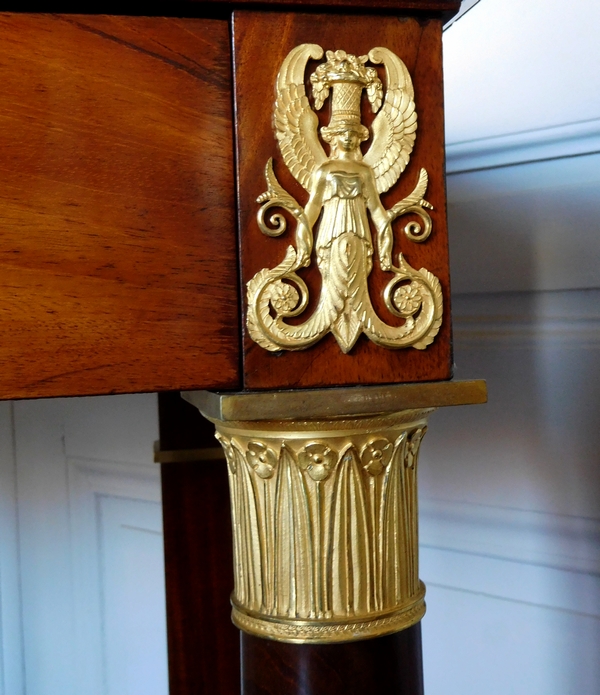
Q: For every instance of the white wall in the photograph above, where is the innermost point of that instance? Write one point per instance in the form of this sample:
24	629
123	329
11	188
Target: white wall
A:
512	67
82	607
510	529
510	492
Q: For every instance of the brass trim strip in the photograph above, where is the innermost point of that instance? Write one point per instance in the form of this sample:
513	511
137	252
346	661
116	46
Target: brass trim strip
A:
324	403
212	453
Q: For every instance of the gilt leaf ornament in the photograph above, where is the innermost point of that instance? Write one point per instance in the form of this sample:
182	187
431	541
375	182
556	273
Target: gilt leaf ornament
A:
344	190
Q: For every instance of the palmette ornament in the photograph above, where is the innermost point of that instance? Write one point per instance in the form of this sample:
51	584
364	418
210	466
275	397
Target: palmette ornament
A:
344	190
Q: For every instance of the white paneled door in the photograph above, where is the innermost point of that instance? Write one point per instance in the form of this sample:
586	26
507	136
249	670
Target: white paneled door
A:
82	605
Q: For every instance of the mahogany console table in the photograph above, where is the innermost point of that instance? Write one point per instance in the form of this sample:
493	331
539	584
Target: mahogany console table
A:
246	203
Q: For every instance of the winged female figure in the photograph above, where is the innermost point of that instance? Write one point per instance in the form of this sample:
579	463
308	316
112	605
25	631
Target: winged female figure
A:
344	190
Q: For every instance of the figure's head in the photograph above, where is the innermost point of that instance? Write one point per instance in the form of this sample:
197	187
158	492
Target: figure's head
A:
347	76
345	136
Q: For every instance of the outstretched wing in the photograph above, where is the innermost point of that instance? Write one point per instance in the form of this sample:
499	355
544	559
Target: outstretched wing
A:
294	121
394	128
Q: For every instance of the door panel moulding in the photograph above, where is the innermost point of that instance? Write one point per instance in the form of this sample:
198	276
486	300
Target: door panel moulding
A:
12	667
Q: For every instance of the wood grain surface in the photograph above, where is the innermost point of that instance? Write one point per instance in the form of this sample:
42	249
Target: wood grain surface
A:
261	42
389	665
204	645
117	244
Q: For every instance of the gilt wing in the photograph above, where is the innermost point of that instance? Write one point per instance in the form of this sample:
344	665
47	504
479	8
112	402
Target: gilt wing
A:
394	128
294	121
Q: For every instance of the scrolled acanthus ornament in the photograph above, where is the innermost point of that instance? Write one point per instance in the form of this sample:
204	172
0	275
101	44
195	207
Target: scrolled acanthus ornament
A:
343	188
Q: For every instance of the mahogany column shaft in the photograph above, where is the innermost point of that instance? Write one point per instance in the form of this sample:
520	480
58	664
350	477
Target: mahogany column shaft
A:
390	665
203	643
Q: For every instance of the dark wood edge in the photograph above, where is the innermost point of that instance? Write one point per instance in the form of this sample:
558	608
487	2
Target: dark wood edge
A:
390	5
443	9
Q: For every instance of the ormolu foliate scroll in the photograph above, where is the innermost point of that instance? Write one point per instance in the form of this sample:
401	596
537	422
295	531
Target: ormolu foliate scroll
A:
344	189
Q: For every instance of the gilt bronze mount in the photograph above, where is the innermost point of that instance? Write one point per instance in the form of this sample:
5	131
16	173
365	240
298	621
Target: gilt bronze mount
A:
344	189
324	507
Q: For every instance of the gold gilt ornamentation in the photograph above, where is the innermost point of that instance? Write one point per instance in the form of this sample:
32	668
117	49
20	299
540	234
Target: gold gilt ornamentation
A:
325	525
344	189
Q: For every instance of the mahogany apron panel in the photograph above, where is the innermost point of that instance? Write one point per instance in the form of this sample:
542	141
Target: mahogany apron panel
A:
117	233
